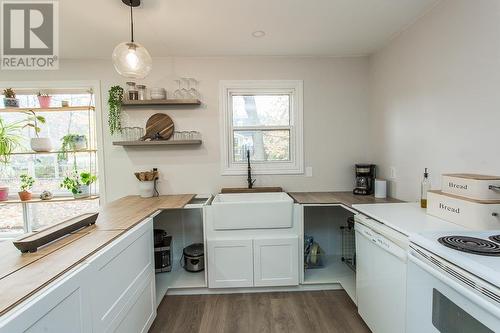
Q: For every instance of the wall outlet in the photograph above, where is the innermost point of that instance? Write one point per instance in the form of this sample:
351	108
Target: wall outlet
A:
392	173
309	171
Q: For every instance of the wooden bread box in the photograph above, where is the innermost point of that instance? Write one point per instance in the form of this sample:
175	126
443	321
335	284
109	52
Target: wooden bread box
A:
470	213
472	186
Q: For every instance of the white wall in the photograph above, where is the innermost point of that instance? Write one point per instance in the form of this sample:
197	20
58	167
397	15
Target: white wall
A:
335	113
435	96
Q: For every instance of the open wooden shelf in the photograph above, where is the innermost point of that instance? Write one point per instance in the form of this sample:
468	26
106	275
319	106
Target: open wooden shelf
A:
53	109
55	199
54	152
158	143
161	102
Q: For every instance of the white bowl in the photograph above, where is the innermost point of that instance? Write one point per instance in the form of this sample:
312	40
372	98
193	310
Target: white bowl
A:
41	144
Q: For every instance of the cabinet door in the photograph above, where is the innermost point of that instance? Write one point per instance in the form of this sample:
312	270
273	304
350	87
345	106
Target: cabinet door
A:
276	262
118	274
230	263
63	307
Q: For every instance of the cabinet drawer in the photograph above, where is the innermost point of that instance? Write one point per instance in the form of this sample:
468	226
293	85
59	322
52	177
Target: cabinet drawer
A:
118	273
61	308
140	312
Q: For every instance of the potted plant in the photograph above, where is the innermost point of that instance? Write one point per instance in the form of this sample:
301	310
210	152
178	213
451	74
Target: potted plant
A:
26	185
44	100
79	184
71	142
9	98
38	144
9	140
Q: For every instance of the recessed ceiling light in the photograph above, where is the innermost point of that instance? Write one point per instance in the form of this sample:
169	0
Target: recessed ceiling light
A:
258	34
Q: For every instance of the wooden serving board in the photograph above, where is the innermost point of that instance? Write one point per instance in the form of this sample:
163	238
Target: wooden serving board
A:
33	241
159	126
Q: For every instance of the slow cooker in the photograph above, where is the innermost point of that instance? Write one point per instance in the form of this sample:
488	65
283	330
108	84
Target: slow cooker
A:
193	256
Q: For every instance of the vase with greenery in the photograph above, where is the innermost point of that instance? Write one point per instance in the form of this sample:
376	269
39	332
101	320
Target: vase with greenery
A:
71	143
115	108
44	100
38	144
79	184
27	183
9	98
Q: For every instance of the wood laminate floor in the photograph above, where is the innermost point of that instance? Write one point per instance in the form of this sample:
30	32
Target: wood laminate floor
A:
317	311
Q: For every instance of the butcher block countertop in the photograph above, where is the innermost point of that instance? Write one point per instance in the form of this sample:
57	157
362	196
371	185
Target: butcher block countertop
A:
345	198
21	275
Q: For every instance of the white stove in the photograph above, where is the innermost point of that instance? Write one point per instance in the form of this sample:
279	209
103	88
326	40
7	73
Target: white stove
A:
454	282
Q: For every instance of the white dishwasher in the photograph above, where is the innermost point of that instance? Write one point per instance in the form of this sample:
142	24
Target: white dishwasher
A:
381	255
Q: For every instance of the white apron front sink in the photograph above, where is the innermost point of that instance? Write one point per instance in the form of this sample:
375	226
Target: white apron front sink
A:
235	211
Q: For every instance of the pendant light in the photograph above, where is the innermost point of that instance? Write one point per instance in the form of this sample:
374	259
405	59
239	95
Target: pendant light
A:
131	59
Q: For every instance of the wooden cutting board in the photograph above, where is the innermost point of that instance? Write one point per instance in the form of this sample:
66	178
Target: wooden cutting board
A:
159	126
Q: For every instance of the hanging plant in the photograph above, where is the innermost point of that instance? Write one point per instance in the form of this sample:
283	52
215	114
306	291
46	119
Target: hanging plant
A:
115	108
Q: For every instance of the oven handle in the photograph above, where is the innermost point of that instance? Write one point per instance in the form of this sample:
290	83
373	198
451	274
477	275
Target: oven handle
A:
466	292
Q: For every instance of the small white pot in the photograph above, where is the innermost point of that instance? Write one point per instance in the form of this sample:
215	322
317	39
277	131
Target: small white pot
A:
146	189
80	145
85	192
41	144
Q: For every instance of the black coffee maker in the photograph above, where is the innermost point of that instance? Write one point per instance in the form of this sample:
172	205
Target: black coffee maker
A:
365	179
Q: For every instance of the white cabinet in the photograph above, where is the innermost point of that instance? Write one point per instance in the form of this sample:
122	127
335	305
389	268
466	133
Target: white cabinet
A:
276	262
62	307
260	262
120	274
230	263
112	291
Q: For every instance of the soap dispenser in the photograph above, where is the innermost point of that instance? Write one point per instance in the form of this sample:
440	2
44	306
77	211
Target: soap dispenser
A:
425	187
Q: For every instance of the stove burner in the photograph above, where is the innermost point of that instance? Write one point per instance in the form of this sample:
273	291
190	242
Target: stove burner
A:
495	238
471	245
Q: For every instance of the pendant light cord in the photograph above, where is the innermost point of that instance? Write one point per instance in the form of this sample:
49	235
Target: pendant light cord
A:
131	22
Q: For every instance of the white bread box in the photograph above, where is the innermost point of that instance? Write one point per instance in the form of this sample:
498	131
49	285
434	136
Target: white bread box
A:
479	187
470	213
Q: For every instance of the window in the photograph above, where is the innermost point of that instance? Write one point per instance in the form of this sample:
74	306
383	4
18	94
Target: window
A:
263	118
49	169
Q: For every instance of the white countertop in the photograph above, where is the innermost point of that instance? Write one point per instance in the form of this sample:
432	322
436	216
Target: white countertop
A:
407	218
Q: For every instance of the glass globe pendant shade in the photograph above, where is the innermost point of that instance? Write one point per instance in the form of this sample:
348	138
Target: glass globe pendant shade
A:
132	60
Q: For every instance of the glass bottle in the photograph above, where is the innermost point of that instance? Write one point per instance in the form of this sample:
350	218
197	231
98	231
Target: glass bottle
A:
425	187
132	92
141	90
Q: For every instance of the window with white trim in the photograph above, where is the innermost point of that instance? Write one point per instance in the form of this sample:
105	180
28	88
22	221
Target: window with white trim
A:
263	118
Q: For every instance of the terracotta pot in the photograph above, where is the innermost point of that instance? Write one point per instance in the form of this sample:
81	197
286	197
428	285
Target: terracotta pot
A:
24	195
44	101
4	193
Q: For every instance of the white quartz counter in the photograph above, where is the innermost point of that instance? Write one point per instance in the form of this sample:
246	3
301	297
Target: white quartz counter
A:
407	218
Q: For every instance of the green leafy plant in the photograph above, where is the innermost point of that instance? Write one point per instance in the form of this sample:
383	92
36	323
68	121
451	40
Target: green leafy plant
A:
9	93
32	121
69	142
75	181
115	108
9	139
26	182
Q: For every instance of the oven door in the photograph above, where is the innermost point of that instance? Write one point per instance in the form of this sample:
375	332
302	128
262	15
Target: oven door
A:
438	302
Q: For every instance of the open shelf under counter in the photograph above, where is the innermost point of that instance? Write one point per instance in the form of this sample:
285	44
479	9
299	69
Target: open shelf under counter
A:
178	278
333	271
161	102
158	143
55	199
51	109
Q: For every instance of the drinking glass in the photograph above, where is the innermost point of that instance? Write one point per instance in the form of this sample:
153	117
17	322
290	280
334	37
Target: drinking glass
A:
178	91
193	91
184	89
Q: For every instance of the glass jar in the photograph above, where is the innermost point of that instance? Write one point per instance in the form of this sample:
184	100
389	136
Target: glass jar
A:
132	92
141	90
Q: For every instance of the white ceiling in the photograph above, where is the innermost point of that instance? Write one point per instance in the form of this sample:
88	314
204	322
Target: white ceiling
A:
91	28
